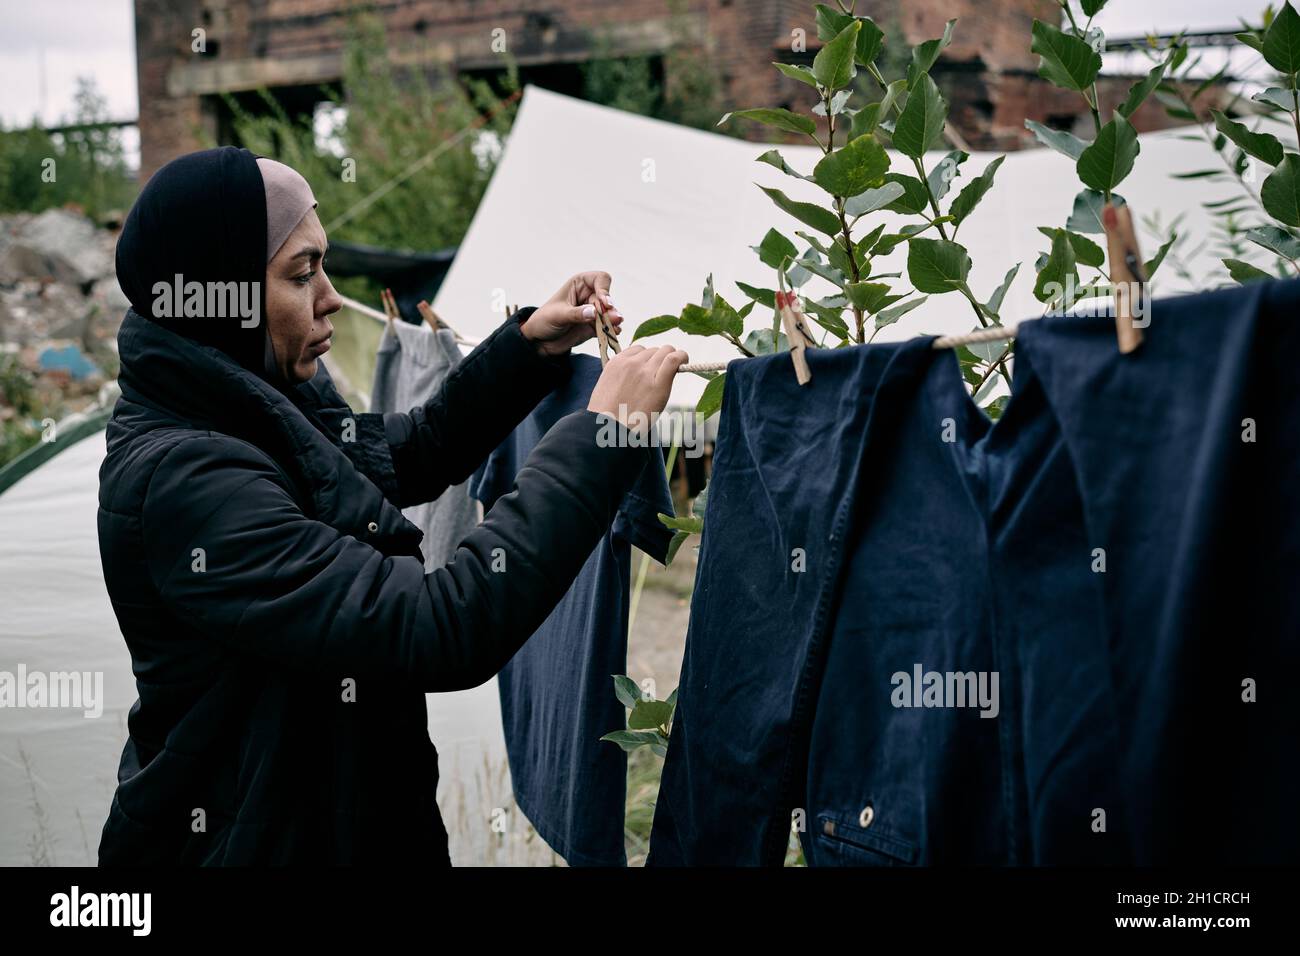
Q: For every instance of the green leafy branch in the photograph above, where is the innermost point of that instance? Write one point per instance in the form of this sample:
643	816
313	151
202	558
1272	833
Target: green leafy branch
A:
856	175
648	720
1269	219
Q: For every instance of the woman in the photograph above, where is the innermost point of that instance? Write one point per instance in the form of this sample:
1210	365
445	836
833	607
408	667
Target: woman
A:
282	630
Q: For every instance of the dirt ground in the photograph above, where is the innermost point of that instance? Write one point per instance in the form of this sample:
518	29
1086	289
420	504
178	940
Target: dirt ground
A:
657	636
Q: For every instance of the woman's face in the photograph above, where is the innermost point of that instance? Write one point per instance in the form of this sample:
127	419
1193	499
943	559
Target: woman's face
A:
299	297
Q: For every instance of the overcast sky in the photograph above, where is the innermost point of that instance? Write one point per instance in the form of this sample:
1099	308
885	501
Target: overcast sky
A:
46	44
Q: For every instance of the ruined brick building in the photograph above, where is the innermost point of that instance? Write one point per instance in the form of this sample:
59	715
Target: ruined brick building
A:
292	47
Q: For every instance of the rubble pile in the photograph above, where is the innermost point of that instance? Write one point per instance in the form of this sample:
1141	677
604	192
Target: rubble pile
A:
60	308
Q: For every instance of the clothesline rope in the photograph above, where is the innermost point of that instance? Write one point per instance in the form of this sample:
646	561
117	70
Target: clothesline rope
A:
995	334
998	333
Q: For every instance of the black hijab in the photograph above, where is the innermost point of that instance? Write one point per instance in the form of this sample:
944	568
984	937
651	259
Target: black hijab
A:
203	217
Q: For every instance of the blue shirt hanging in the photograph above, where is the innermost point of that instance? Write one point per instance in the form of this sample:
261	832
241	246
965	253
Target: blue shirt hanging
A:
1119	550
557	692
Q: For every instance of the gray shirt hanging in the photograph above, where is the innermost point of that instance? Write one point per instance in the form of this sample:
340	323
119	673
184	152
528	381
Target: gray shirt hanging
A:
410	366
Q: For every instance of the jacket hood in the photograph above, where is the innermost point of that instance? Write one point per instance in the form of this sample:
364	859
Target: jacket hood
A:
192	253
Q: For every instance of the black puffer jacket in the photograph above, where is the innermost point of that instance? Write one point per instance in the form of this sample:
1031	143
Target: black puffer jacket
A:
281	627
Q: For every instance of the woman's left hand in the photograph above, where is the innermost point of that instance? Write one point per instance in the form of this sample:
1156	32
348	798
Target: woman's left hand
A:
568	318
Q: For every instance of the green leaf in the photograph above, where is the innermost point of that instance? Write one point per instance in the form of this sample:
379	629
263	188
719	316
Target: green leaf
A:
944	172
833	64
994	304
1057	139
773	158
800	73
828	315
1275	240
1281	191
709	403
1085	250
1140	90
690	524
630	740
827	272
914	200
855	167
1092	7
925	55
831	22
1244	272
697	320
873	199
936	265
1152	264
823	220
674	545
869	297
1276	96
871	39
890	316
1282	41
1065	61
780	118
626	690
837	104
868	118
975	190
765	297
648	714
1251	40
1262	146
1105	163
724	317
774	249
1059	269
1086	216
660	323
921	123
759	341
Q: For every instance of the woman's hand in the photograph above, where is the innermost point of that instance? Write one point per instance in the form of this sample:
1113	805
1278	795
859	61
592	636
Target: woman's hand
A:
568	318
635	384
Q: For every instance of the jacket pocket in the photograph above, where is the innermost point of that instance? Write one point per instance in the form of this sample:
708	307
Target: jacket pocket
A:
844	839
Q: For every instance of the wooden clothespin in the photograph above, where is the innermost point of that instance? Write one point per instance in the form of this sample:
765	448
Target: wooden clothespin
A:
1127	276
429	316
796	331
390	306
605	336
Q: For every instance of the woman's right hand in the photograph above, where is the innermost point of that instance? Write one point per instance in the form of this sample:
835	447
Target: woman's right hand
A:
637	380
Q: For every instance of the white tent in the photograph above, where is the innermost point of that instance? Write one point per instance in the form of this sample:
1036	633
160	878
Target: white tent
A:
661	206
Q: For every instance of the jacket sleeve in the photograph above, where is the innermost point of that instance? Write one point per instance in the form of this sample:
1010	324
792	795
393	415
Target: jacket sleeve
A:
480	402
276	584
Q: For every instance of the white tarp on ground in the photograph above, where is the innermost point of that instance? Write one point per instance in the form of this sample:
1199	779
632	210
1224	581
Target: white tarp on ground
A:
660	206
58	767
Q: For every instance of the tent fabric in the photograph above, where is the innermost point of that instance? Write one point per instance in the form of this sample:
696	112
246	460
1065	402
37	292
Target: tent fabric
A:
59	766
661	206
